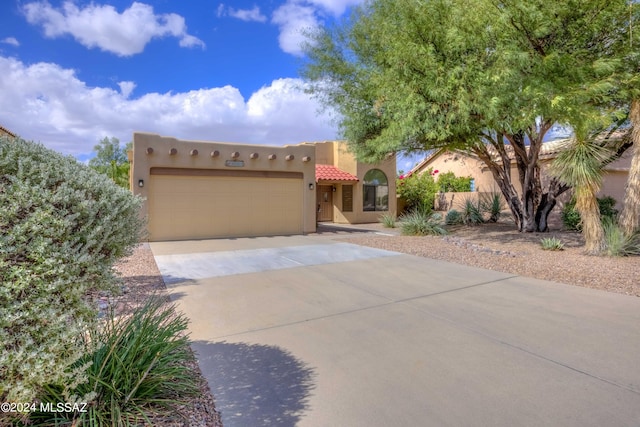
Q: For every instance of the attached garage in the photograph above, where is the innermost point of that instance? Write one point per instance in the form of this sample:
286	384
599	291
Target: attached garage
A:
204	190
197	204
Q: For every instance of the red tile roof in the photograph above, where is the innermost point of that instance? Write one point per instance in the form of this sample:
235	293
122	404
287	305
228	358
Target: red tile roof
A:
332	173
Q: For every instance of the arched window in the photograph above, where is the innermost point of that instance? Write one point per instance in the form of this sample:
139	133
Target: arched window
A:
376	191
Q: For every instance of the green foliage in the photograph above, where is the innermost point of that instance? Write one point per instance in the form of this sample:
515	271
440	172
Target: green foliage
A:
388	220
449	182
419	191
419	223
617	242
112	160
552	244
138	367
472	211
62	227
453	217
571	217
493	205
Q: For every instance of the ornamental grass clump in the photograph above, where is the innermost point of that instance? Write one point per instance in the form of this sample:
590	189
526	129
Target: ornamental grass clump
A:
138	369
418	223
388	220
62	228
552	244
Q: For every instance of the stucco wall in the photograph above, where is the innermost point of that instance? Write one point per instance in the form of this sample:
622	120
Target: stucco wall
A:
198	155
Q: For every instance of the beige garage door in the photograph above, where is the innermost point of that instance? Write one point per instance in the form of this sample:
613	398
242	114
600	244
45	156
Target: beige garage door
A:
196	207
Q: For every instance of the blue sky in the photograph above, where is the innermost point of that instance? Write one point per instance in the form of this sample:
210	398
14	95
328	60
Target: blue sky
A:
74	72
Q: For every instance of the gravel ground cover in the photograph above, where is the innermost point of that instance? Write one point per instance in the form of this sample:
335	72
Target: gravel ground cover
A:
491	246
500	247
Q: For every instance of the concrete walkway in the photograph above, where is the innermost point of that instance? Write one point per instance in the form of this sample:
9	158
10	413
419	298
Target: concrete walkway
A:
310	331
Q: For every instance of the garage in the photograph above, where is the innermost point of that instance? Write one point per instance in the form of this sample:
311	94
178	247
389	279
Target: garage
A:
200	204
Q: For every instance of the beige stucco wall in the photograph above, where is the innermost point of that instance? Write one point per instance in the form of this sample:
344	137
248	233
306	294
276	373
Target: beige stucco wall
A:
186	158
613	183
337	154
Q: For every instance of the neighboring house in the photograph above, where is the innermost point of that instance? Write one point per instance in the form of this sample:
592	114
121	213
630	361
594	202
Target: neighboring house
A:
199	189
5	132
466	164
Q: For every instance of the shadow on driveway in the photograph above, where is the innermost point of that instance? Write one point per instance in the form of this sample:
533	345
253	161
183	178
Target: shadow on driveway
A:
255	385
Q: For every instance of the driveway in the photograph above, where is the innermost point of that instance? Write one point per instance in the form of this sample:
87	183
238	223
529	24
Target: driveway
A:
311	331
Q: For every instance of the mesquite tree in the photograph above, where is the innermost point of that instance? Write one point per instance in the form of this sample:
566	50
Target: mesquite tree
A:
489	76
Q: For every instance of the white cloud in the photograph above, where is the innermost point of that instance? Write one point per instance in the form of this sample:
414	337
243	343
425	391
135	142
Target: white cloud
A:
12	41
101	26
47	103
297	17
248	15
294	19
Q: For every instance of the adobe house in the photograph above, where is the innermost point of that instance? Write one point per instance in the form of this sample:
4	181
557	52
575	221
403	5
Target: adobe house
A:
201	189
466	164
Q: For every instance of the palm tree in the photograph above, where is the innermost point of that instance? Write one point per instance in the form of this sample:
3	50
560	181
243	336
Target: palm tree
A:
630	216
581	167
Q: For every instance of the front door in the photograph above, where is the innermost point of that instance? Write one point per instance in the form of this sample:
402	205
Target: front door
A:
324	201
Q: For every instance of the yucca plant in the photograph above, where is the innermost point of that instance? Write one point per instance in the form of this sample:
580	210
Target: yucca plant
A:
552	244
471	211
417	223
492	204
138	369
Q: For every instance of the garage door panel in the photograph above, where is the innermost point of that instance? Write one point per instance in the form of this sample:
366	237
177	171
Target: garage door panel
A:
188	207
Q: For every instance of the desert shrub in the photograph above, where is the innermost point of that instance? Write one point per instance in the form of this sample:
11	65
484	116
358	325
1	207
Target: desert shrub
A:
418	223
571	217
449	182
617	242
419	191
62	227
388	220
552	244
138	368
472	211
453	217
492	204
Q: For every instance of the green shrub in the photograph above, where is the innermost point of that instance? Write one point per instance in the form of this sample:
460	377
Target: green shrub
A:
388	220
62	227
492	204
471	212
449	182
453	218
138	369
571	217
552	244
417	223
617	242
418	191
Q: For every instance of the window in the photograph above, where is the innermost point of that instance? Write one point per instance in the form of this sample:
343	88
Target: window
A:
347	198
375	191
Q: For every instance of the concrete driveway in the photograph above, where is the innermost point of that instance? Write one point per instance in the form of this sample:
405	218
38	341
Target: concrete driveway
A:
311	331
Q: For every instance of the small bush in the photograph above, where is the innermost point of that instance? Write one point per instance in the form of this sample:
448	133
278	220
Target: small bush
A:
552	244
137	369
418	223
617	242
418	191
62	227
492	204
388	220
449	182
453	218
472	212
571	217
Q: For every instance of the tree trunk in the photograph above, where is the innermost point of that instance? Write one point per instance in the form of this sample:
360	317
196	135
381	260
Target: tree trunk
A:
630	216
587	205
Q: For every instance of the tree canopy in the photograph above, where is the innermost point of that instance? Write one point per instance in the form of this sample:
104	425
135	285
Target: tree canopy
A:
413	75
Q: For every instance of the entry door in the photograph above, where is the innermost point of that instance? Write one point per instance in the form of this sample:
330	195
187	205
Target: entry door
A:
325	203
